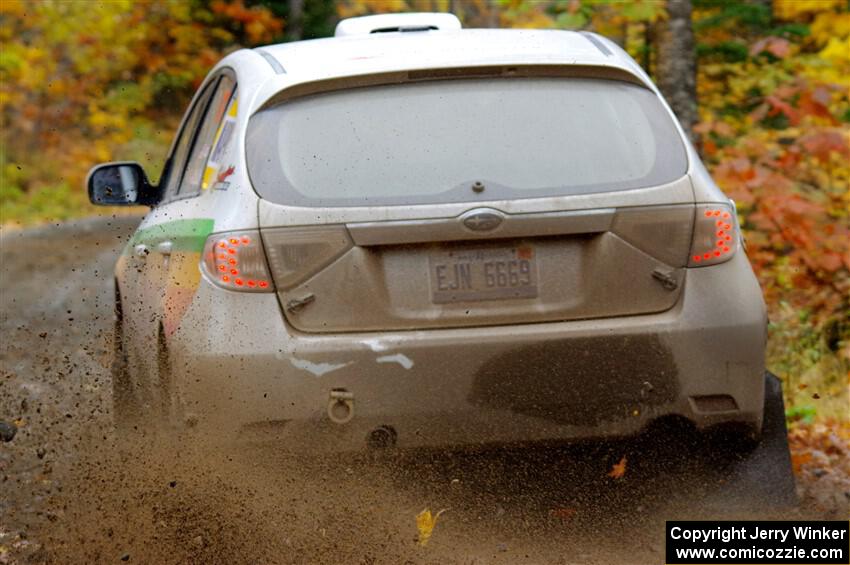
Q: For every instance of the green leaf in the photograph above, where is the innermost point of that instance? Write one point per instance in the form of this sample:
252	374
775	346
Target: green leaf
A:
571	21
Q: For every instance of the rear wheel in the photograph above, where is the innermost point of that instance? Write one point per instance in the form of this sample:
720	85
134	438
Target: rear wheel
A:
766	473
147	405
757	473
166	408
726	470
126	408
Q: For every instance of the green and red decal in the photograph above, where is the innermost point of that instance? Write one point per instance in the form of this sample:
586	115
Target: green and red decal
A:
183	275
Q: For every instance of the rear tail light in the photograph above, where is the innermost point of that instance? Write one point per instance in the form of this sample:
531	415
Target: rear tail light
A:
716	235
295	254
235	260
664	232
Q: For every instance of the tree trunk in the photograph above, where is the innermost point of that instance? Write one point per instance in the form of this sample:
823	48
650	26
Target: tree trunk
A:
647	48
676	65
295	23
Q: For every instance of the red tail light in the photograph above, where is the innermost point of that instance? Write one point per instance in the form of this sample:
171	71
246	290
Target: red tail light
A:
235	260
716	235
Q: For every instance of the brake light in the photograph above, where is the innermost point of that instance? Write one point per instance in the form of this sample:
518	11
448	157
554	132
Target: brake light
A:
236	261
716	235
295	254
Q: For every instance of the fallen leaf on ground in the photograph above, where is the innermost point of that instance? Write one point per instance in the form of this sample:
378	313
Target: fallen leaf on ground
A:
618	470
820	456
425	523
565	514
799	459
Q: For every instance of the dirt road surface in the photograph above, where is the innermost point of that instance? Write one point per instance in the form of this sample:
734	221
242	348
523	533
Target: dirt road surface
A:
71	492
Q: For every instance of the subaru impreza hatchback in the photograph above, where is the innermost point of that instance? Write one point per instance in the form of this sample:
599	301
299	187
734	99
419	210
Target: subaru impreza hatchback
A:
416	234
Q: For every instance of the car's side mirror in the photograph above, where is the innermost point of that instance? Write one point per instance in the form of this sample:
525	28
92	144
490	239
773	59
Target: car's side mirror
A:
120	184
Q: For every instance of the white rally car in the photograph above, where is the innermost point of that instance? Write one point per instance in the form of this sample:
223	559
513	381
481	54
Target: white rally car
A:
416	234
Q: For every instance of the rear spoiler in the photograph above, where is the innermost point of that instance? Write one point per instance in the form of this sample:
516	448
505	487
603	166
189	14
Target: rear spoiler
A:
489	71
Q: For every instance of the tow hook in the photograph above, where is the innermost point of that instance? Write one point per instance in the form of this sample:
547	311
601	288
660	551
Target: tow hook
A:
341	406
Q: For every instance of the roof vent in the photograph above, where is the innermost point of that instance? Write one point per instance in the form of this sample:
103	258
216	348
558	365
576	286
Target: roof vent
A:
381	23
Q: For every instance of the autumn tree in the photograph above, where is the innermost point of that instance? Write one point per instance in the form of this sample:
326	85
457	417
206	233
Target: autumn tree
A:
675	71
82	82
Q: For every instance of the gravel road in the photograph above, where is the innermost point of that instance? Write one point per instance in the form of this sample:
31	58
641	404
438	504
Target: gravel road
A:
71	492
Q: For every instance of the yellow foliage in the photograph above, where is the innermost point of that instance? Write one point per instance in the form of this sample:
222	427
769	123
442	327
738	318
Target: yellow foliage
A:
837	50
792	9
352	8
77	73
834	64
13	7
102	151
532	19
829	26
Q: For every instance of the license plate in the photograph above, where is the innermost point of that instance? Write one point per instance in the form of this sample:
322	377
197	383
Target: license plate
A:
493	273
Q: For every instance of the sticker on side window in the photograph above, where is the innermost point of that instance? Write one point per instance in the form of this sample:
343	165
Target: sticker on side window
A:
220	146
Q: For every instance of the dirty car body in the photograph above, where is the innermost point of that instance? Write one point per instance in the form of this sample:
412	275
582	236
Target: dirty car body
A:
443	236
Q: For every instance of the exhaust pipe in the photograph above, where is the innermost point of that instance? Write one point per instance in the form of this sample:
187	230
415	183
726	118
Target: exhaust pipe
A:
382	437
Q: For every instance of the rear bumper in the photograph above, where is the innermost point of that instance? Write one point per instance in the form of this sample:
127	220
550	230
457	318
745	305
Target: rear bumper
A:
238	364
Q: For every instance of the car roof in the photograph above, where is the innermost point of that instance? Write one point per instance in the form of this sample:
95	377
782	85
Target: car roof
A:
338	57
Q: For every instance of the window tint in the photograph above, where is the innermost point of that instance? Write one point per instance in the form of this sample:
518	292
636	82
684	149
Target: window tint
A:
430	142
196	173
184	143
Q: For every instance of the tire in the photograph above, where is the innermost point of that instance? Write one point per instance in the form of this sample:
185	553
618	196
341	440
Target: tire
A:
166	412
760	473
125	405
773	454
140	406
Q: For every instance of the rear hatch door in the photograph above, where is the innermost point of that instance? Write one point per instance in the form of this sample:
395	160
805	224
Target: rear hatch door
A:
472	202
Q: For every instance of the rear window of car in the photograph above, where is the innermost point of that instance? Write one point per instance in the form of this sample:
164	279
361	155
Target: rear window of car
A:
431	142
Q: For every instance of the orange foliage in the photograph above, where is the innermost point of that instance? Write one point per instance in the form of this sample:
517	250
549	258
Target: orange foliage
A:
776	137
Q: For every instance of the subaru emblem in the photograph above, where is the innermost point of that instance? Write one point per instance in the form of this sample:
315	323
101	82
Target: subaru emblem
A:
482	220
